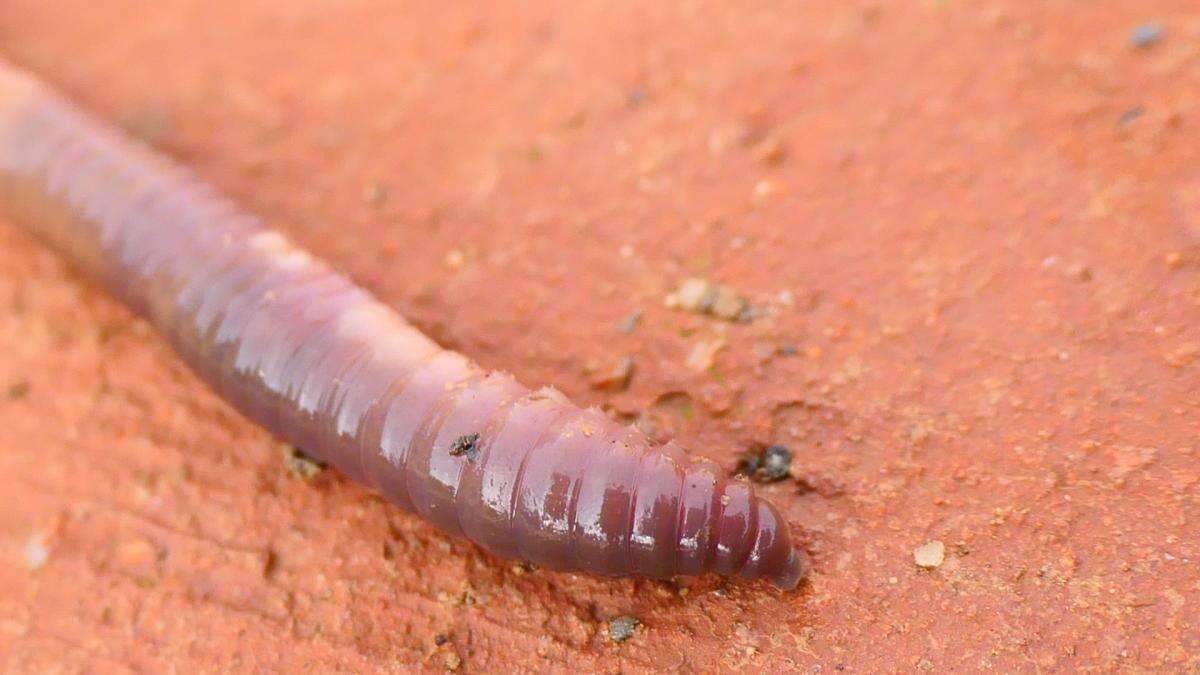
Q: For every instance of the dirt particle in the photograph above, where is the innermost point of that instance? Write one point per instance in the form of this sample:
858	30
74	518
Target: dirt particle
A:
622	628
440	639
465	445
451	661
771	151
17	390
270	563
617	377
925	665
930	555
629	322
1130	116
1145	35
300	465
36	553
701	296
522	567
767	465
1079	272
704	354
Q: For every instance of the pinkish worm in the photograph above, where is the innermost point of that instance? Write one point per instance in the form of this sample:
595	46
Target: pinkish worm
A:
321	364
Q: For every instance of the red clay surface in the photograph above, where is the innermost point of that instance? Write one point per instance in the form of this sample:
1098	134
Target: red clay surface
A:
977	222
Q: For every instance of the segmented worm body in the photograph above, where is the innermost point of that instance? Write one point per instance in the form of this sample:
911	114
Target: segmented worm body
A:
317	361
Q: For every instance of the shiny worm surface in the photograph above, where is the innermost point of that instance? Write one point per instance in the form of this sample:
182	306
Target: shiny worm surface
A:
316	360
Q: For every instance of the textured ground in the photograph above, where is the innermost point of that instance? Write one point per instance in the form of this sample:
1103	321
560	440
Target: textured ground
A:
977	224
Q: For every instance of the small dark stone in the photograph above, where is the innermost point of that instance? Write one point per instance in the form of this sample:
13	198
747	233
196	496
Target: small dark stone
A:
771	464
776	463
465	445
621	628
440	639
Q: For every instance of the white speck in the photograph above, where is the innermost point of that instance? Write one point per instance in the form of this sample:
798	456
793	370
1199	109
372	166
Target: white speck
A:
930	555
36	552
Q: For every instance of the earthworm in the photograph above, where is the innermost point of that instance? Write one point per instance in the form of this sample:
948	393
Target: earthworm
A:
321	364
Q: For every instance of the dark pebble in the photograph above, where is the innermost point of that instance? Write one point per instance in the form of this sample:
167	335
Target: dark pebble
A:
773	463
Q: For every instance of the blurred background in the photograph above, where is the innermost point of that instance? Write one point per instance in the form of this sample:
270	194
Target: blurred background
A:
956	248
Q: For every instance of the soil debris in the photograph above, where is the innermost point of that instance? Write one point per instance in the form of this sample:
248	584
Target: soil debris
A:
622	628
701	296
771	151
930	555
522	567
300	465
1145	35
767	465
36	553
704	354
17	390
629	322
465	445
617	377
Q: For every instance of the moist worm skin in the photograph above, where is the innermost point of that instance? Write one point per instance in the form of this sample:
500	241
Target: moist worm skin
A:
321	364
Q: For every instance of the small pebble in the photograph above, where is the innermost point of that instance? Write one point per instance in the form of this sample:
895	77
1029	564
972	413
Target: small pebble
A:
701	296
621	628
617	378
298	464
930	555
704	354
629	322
1145	35
36	553
773	463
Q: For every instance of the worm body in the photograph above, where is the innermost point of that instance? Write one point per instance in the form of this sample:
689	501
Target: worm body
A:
317	361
